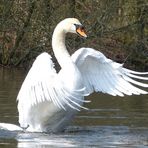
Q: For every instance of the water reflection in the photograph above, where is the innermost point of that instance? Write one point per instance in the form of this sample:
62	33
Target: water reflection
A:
110	122
88	136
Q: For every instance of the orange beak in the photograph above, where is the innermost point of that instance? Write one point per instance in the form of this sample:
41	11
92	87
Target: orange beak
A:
81	31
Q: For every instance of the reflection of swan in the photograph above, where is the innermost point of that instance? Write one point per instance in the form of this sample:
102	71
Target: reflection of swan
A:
48	100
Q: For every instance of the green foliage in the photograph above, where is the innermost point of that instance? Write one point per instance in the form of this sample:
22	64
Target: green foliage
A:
118	28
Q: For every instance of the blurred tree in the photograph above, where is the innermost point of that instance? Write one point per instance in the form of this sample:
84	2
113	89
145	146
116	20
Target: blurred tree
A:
118	28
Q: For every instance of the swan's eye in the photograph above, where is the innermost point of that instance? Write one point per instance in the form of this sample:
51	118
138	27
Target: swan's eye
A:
80	30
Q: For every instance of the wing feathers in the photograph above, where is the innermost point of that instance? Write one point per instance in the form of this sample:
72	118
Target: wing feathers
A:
99	74
136	77
134	82
135	72
104	75
43	84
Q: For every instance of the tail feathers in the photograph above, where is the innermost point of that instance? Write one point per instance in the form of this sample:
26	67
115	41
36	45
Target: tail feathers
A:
10	127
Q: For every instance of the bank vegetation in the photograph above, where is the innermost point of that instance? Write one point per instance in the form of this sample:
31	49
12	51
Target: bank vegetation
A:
118	28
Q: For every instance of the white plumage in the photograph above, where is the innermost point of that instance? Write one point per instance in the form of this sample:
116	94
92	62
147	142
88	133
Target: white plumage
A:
44	91
47	100
104	75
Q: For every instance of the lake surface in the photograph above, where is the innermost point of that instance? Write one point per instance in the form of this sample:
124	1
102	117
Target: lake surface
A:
110	122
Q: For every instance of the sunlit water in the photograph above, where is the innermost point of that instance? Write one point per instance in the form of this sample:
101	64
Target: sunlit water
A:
110	122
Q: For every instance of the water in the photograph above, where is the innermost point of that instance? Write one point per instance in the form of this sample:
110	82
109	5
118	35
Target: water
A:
110	122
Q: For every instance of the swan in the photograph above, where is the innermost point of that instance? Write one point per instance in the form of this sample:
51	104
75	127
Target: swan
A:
48	101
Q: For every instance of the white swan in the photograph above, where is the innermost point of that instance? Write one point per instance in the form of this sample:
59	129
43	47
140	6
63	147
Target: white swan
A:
47	100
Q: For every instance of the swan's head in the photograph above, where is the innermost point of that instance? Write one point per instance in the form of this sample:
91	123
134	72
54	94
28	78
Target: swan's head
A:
73	25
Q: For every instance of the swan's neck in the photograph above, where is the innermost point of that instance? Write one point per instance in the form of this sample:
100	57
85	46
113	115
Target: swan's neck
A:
59	48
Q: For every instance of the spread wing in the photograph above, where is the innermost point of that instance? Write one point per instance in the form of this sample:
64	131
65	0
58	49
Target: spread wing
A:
104	75
43	84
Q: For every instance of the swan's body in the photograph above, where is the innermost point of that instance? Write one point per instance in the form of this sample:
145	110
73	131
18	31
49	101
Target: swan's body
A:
47	100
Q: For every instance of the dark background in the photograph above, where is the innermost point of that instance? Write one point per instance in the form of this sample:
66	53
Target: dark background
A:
118	28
